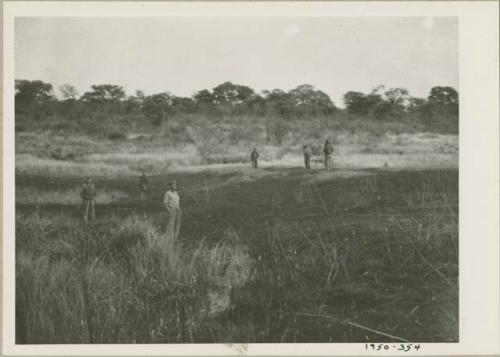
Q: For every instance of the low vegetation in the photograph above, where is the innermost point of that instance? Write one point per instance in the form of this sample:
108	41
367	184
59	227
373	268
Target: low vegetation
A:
82	156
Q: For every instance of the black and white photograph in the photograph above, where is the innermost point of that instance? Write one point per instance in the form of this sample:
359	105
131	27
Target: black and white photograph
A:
237	180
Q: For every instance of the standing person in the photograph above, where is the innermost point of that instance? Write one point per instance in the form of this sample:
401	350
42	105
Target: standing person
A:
172	205
143	184
88	197
307	156
328	151
254	158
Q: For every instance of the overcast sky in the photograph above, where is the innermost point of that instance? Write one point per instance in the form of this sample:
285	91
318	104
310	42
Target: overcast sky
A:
184	55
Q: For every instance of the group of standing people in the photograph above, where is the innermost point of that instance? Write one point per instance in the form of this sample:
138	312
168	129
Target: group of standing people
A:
171	199
308	153
171	202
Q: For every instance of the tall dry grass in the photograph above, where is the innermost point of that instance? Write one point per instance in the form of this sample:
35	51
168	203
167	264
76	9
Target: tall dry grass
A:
36	196
379	259
119	283
196	141
358	151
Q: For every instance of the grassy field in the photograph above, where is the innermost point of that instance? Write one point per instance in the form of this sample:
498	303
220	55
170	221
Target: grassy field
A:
367	252
58	155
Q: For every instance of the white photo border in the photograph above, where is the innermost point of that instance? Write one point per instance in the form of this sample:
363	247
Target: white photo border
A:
479	194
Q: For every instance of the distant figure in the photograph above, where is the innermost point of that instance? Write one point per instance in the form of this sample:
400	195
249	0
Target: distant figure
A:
172	205
328	151
307	156
254	157
143	185
88	197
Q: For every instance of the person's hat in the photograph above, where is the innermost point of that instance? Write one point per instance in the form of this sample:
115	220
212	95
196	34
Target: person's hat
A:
172	182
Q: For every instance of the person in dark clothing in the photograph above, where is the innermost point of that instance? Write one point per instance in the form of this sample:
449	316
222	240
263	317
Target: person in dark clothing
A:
87	195
254	157
328	151
307	156
143	185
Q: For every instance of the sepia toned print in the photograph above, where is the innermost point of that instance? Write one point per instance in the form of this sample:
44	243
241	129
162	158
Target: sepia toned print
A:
236	180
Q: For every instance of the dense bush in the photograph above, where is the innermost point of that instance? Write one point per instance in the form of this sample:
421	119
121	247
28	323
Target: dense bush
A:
106	108
116	135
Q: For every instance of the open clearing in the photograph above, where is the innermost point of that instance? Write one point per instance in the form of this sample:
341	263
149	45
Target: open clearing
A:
277	254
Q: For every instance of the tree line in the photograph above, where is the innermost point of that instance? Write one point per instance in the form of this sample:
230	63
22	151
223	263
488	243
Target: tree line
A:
36	99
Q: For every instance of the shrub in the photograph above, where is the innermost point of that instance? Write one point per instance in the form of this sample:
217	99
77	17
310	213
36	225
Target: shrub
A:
39	196
62	154
116	135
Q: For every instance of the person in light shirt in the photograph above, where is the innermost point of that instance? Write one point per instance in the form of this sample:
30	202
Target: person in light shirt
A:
172	205
88	194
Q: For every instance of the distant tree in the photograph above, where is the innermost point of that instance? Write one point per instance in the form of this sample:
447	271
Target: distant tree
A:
377	104
308	100
204	97
33	92
443	96
229	93
68	107
442	109
378	90
34	99
256	105
244	93
158	107
68	92
231	98
356	103
444	99
425	112
398	100
372	104
415	104
279	102
183	105
205	102
134	103
139	95
104	93
397	96
225	93
380	108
